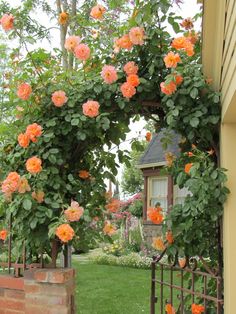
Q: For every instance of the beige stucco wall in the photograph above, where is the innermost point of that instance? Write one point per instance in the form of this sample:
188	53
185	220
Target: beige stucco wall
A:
228	160
219	61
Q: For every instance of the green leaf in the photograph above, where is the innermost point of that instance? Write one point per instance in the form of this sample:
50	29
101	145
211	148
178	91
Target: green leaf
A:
194	93
194	122
27	204
75	122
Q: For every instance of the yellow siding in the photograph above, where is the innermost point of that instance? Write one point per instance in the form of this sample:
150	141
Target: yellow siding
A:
228	77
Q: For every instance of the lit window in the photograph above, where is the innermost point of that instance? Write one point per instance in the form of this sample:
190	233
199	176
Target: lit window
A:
158	190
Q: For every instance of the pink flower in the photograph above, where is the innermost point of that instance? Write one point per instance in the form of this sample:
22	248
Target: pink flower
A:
59	98
109	74
82	52
136	35
128	90
24	91
7	22
130	68
91	108
72	42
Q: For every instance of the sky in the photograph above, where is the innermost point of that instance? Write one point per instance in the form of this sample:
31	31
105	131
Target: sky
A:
188	9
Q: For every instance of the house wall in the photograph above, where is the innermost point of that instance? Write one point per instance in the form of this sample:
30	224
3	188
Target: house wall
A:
219	61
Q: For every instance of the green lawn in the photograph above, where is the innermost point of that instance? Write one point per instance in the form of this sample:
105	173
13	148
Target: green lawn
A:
102	289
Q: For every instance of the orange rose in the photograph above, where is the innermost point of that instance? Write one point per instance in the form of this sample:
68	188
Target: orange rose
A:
124	42
63	18
65	233
130	68
188	167
3	234
34	165
23	140
155	215
127	90
72	42
97	12
38	196
158	244
74	212
170	309
84	174
11	183
136	35
7	22
178	79
171	60
33	131
133	80
82	52
168	89
91	108
197	309
148	136
169	237
59	98
23	186
24	91
113	206
108	228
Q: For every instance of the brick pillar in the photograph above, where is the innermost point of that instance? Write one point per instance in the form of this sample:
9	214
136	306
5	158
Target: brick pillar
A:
50	291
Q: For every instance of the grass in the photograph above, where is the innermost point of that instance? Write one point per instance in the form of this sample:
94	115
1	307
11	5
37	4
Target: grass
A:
103	289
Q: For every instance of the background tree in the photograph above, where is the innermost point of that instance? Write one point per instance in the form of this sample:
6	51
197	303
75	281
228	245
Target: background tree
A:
132	178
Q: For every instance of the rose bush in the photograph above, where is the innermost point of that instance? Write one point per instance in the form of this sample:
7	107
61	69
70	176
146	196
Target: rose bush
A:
116	61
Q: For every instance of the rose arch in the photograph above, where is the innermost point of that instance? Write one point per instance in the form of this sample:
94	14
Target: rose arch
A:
117	60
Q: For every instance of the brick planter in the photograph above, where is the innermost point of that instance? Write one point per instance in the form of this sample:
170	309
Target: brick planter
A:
41	291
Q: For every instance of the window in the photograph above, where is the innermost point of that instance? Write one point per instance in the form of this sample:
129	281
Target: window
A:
157	192
180	194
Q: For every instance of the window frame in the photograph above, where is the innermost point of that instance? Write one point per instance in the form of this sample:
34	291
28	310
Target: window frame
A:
150	173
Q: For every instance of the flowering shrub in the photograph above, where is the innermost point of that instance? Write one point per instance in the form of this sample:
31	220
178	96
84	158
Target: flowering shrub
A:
81	98
133	260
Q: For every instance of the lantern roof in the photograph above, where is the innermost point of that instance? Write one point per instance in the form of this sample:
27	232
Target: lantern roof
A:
154	154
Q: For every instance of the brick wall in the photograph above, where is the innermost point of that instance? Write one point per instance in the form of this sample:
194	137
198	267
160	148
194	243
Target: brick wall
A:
41	291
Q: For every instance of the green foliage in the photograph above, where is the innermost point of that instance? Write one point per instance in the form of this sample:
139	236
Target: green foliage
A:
133	260
136	208
196	221
72	141
132	177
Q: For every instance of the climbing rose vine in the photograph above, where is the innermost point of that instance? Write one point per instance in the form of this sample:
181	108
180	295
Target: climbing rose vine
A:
116	61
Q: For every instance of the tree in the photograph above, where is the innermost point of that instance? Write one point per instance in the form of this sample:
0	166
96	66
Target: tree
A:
132	178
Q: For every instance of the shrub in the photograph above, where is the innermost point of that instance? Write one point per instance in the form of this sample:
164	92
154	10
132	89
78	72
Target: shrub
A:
133	260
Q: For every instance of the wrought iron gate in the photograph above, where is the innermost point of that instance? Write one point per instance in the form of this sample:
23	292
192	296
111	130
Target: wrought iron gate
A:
182	283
